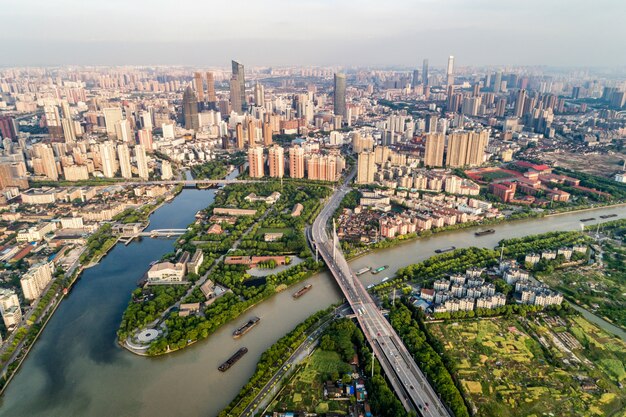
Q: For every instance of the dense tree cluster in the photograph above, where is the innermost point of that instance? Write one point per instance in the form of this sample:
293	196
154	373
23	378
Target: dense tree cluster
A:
98	244
211	170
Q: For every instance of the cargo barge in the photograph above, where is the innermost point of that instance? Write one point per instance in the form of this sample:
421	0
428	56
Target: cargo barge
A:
444	250
363	270
246	327
380	269
608	216
302	291
233	359
588	219
485	232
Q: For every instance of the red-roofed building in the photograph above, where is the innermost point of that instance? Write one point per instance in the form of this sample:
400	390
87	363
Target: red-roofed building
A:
542	169
505	191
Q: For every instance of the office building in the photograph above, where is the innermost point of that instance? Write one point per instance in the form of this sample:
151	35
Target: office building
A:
425	72
450	71
366	167
276	161
255	161
296	162
239	75
235	97
433	153
190	110
415	79
339	99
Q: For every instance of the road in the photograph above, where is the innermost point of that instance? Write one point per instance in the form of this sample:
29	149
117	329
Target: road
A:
409	383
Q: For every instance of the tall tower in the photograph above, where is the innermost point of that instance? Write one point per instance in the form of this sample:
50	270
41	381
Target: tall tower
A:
123	154
339	100
415	78
450	71
235	97
425	72
433	154
251	133
255	161
497	82
238	73
239	136
366	167
48	162
142	162
296	162
276	161
259	95
267	134
458	143
198	85
519	103
107	157
190	109
210	88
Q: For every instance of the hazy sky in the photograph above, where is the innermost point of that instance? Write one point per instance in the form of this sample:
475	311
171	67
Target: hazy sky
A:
311	32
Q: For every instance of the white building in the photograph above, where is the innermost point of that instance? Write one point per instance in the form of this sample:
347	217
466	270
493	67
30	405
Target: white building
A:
167	273
35	280
10	308
36	233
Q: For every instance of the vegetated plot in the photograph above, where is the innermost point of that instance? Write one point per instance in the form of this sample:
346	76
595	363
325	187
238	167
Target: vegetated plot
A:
519	367
305	390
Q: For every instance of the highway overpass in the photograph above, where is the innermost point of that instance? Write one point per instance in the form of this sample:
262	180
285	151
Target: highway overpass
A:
406	378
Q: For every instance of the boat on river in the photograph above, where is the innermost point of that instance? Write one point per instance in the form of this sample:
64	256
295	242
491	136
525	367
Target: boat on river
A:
444	250
363	270
246	327
233	359
485	232
380	269
302	291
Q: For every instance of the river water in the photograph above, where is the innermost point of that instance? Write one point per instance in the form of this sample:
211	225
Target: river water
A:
77	369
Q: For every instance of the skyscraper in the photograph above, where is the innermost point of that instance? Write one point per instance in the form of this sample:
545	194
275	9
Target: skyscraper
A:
433	154
415	78
255	161
276	161
366	168
142	162
238	73
210	88
425	72
235	97
107	158
339	100
296	162
519	103
497	82
123	154
190	109
450	71
198	85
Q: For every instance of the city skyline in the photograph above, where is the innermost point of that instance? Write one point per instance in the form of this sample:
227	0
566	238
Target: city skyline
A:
396	33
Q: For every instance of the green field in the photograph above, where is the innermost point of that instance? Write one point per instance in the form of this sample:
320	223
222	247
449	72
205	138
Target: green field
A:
495	175
533	367
305	390
601	290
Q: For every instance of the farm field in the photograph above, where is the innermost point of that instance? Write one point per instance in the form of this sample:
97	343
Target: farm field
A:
305	390
545	365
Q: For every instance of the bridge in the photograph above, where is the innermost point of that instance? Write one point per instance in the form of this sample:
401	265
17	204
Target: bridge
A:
406	378
186	183
163	232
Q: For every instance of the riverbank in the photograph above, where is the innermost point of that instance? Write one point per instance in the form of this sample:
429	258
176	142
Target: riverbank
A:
412	237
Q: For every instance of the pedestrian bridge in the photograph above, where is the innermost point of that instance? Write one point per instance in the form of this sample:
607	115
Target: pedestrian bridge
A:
163	232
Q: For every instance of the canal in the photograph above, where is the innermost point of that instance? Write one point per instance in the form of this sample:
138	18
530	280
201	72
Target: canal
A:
77	369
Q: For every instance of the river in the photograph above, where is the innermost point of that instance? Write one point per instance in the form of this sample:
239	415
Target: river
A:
77	369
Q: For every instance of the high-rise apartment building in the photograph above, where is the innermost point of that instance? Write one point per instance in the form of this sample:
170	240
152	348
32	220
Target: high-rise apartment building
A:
198	85
239	75
519	103
433	153
10	308
497	82
339	99
35	280
466	148
276	161
259	95
210	88
239	136
255	161
190	109
251	132
112	115
142	162
8	128
267	134
296	162
124	132
366	168
48	162
107	158
145	139
123	154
